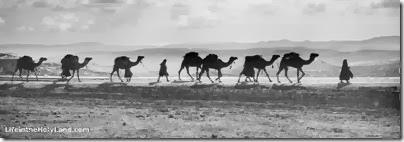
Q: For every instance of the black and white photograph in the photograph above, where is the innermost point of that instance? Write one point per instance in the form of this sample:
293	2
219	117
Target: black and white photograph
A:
200	69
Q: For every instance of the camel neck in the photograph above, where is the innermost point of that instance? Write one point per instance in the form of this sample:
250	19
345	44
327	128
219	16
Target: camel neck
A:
84	64
228	63
306	62
131	64
270	62
39	63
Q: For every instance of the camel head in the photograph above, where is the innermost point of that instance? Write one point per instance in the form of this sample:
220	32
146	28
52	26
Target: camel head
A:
43	59
232	59
314	55
88	59
139	59
274	57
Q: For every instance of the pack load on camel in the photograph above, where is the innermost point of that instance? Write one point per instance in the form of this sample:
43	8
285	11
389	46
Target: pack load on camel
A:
211	58
291	55
68	61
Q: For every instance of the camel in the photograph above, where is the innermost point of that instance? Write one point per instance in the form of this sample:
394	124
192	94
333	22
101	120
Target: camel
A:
71	62
212	61
191	59
76	66
123	62
163	70
261	64
28	64
293	60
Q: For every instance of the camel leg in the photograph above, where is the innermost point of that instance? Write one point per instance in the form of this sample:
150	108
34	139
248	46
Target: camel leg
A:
240	77
192	78
197	69
258	73
277	74
286	74
78	75
36	75
219	75
207	74
247	77
15	71
158	79
297	75
179	72
117	72
112	73
302	74
27	75
201	73
265	70
20	70
71	77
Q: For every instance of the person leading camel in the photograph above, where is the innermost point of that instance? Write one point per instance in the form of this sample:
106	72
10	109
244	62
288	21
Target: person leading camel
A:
163	70
128	74
346	73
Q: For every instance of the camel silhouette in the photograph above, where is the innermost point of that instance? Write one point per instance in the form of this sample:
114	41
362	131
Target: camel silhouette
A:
163	70
71	62
28	64
260	63
123	62
294	60
212	61
191	59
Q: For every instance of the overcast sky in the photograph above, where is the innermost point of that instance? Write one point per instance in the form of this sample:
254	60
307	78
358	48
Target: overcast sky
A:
180	21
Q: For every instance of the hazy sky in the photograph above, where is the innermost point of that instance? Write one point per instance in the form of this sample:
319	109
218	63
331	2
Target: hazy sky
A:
179	21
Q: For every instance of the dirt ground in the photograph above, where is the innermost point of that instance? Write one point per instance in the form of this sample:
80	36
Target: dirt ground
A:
120	111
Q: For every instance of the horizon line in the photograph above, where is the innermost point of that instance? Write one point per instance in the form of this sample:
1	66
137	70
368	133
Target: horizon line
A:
195	42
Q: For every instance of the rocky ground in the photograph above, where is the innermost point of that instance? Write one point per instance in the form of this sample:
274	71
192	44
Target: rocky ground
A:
123	111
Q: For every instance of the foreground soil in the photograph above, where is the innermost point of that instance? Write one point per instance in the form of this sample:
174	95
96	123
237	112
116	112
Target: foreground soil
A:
119	111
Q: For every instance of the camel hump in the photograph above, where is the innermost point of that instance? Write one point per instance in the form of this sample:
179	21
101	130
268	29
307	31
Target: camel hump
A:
25	59
291	55
75	58
253	58
211	58
121	58
191	54
66	58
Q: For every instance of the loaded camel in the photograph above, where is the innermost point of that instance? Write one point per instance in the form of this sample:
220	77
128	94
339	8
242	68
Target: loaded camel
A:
258	62
28	64
123	62
212	61
293	59
191	59
71	62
